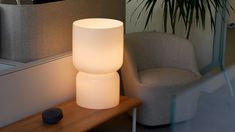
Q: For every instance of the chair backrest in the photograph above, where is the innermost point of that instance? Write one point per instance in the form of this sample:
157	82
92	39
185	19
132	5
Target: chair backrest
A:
152	49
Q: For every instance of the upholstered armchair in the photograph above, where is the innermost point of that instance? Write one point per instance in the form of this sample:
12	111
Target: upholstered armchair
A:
157	66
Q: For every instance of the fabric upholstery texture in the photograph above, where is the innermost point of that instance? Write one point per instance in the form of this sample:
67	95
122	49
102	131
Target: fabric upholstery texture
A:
156	66
166	76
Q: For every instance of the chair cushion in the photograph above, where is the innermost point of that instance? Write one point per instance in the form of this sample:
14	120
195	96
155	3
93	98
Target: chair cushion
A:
167	76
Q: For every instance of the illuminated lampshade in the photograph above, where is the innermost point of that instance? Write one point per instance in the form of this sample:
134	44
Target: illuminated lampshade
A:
97	54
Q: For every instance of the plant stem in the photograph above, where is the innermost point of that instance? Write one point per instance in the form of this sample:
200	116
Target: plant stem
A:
190	21
18	2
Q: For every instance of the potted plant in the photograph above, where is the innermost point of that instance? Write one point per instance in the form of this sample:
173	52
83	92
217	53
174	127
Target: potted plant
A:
186	10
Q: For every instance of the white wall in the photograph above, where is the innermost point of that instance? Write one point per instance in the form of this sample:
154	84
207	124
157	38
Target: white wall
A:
36	86
202	39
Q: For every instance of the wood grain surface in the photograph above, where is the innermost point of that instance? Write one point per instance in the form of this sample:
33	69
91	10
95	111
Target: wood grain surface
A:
75	118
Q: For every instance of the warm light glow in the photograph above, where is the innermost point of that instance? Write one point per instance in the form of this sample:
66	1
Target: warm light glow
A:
98	54
97	91
97	50
98	23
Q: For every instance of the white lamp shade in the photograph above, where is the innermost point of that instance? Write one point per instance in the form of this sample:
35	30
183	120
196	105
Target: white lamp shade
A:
97	92
98	45
97	54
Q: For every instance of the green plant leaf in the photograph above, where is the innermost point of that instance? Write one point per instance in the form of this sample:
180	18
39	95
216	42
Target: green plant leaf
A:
186	10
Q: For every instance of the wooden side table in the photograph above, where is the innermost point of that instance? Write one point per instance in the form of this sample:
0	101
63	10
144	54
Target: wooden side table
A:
76	118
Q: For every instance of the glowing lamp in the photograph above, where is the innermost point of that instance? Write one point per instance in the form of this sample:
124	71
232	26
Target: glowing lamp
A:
97	54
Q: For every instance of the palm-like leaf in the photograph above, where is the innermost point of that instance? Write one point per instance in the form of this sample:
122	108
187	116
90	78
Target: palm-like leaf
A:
186	10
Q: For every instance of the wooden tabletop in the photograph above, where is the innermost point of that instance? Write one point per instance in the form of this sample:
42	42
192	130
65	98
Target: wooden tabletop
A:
75	118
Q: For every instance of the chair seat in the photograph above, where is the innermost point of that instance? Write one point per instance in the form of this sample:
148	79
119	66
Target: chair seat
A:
167	77
156	67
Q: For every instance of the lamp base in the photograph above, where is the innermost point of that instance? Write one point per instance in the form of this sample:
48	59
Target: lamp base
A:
97	91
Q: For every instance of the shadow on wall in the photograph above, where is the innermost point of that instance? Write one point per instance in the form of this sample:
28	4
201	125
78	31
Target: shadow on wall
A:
232	13
230	48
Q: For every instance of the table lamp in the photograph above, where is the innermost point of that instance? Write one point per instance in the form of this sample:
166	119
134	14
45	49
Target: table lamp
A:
97	54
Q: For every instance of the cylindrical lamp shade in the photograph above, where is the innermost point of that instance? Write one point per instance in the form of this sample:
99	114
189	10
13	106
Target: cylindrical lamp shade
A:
98	92
97	54
98	45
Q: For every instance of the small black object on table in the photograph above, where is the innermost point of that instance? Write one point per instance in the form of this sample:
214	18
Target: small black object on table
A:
52	116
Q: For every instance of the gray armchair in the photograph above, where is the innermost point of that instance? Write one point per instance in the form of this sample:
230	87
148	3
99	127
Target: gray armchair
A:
156	66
